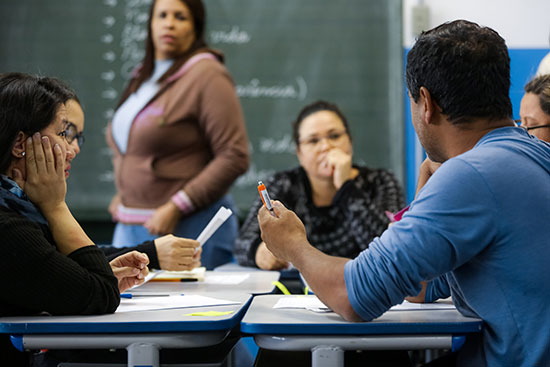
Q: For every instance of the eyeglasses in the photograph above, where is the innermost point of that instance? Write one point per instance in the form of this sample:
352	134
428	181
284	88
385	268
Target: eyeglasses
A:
529	128
314	141
71	133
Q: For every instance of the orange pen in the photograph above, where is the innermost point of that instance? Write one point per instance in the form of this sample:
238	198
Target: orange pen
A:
265	197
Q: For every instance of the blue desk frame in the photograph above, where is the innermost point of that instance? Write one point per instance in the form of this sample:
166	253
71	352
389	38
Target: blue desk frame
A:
327	335
142	333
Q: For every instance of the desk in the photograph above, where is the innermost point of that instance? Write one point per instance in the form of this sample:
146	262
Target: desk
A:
232	267
257	282
327	335
289	277
142	333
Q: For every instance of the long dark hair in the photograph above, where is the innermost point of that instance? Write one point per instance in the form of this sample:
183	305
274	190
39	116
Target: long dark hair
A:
147	66
28	103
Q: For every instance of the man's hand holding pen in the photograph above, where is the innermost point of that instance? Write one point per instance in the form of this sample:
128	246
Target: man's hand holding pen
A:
284	234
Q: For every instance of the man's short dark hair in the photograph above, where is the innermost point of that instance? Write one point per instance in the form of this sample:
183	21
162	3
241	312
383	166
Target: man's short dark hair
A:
466	69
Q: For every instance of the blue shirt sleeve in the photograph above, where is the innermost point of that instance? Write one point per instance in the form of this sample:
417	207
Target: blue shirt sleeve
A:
437	288
449	223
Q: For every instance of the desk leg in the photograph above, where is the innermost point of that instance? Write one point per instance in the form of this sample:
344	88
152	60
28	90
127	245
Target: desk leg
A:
327	356
143	355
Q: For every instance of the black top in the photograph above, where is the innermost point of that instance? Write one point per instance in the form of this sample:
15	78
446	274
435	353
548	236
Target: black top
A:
345	228
36	278
147	247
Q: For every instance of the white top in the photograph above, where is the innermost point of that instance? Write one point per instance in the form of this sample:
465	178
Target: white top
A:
127	112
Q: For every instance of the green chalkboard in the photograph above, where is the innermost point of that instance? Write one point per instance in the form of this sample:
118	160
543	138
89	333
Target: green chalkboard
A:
282	55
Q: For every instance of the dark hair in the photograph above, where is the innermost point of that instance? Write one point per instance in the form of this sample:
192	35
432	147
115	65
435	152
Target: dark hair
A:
28	103
466	69
541	87
147	67
311	109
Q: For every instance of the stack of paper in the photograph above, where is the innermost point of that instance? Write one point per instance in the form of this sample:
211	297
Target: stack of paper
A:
166	276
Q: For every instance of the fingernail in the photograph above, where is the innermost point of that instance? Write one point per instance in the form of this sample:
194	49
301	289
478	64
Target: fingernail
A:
36	135
45	139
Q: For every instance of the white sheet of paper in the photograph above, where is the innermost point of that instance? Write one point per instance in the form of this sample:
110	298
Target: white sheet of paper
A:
149	276
408	306
162	303
309	303
215	223
226	279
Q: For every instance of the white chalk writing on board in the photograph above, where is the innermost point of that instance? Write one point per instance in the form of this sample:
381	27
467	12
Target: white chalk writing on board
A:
132	37
235	36
123	51
254	89
277	146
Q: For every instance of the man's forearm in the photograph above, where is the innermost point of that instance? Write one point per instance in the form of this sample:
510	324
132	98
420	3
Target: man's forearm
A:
325	276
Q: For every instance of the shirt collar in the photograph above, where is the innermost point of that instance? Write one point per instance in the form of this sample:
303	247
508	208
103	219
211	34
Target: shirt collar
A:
13	187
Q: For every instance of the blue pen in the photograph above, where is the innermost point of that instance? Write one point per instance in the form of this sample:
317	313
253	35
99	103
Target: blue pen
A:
132	295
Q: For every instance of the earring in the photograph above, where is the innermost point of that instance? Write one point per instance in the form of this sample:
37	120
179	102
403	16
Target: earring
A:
22	154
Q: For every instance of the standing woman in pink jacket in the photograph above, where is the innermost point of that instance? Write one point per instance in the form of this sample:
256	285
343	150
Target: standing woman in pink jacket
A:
178	136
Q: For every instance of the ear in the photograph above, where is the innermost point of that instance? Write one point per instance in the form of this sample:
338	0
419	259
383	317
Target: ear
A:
430	108
18	149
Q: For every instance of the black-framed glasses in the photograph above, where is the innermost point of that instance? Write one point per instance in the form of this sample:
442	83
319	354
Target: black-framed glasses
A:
71	133
314	141
529	128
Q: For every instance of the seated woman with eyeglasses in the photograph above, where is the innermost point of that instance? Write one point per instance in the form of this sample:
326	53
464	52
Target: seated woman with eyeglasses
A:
49	264
166	252
535	107
341	204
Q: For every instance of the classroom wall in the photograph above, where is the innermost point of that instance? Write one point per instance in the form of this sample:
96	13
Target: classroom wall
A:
281	55
524	25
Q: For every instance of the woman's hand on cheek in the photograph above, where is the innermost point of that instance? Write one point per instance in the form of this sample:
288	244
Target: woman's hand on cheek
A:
340	162
45	177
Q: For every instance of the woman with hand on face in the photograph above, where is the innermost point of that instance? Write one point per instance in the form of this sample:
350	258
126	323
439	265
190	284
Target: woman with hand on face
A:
178	136
341	204
167	252
49	264
535	108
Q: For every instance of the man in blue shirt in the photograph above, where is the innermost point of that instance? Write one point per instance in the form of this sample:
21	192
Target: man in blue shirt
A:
477	230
